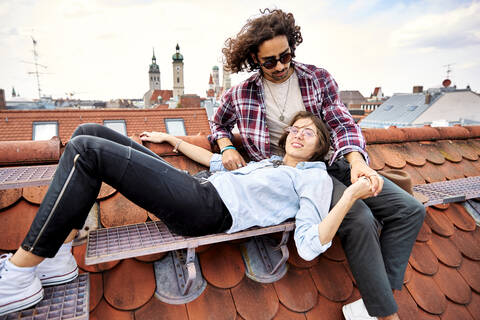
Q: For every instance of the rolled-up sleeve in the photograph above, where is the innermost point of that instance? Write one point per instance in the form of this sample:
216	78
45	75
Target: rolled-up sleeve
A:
216	163
314	206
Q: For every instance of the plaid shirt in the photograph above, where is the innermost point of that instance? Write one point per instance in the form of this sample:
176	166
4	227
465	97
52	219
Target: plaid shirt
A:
244	104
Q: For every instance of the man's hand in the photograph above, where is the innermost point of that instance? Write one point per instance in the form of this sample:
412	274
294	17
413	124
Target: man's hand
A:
156	137
359	168
232	160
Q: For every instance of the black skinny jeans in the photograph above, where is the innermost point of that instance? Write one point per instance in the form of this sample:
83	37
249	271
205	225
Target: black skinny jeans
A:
378	262
188	206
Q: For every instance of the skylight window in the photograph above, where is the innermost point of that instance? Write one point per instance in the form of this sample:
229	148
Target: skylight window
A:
44	130
175	127
388	107
412	108
117	125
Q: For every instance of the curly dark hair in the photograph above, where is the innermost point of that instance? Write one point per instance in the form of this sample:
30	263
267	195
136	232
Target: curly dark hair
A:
322	132
238	51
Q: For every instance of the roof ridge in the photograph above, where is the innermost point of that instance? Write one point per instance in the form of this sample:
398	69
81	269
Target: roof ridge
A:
425	133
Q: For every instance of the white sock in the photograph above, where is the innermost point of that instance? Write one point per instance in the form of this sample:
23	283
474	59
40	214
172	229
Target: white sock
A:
11	266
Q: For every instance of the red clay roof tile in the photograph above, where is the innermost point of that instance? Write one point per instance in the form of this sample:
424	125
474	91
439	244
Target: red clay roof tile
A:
285	314
461	218
34	194
376	160
118	211
470	270
9	197
129	285
222	265
454	132
414	174
79	253
475	144
426	293
424	133
332	281
474	131
474	306
96	289
335	252
445	250
412	155
255	301
450	170
407	308
425	233
408	273
392	155
105	311
390	135
467	243
155	308
455	312
105	191
466	150
423	260
296	290
448	151
15	152
16	221
438	222
431	173
325	310
212	304
295	260
467	168
452	284
431	153
151	257
426	316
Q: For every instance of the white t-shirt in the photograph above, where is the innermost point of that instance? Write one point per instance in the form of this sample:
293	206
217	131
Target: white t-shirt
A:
276	99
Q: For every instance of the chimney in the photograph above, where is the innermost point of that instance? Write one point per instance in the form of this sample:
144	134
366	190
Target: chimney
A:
417	89
428	98
2	99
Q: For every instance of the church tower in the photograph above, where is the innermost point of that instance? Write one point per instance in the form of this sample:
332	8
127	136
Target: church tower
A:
177	64
154	74
227	82
216	79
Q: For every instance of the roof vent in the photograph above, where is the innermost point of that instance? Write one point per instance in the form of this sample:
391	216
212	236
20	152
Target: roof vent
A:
417	89
388	107
412	108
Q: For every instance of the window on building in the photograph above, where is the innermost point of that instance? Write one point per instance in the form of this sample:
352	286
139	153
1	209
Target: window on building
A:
178	79
117	125
412	108
45	130
175	127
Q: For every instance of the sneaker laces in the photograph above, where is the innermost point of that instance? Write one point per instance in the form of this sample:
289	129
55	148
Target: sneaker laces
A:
3	259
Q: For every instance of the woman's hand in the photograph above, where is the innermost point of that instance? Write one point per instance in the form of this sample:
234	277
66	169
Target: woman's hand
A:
360	169
232	160
361	189
156	137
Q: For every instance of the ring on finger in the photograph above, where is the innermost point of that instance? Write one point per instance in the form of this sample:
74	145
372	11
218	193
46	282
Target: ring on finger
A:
239	165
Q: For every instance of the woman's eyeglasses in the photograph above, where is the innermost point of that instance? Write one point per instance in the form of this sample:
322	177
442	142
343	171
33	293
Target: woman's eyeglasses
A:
306	132
272	62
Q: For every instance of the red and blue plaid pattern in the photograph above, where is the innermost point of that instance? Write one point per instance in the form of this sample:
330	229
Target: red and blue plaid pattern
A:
244	104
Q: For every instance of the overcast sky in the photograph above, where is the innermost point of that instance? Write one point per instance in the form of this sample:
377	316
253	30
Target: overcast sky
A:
102	49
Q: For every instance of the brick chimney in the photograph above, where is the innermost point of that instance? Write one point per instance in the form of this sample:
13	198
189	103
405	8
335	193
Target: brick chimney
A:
417	89
2	99
428	98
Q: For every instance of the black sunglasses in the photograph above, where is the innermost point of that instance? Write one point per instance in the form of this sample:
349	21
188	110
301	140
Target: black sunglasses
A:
272	62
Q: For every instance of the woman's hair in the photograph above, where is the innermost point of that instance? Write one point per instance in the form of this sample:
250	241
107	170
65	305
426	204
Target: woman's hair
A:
322	132
272	23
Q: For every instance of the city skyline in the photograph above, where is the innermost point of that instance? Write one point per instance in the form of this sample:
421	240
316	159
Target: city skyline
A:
102	49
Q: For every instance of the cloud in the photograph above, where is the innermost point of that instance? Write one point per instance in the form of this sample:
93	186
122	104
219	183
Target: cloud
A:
448	30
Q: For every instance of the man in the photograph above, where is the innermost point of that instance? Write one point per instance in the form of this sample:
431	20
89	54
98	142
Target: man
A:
263	105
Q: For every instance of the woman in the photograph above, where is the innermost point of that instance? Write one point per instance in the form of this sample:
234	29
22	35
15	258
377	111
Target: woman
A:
260	194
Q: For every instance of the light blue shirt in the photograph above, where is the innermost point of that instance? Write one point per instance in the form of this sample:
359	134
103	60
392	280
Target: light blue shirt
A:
261	195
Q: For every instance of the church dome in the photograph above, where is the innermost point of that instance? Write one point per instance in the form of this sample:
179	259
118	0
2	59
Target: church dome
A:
154	68
215	68
177	56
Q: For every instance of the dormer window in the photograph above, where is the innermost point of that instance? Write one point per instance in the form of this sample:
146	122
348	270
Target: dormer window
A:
175	127
117	125
44	130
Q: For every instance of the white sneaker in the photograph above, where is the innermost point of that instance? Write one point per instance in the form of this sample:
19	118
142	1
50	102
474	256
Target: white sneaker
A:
20	288
60	269
356	311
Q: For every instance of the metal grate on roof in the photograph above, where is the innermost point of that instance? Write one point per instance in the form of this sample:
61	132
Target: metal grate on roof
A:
135	240
19	177
66	301
450	191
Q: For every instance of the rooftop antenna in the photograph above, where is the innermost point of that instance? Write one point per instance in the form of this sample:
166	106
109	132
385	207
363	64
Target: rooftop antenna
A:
36	64
449	69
